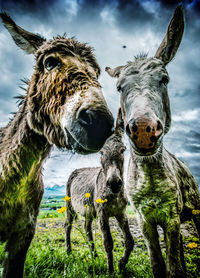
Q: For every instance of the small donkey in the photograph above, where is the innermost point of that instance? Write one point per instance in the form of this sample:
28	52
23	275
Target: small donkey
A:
103	183
64	106
160	186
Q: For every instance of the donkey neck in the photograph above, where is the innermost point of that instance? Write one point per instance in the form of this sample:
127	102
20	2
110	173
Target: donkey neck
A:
21	147
154	162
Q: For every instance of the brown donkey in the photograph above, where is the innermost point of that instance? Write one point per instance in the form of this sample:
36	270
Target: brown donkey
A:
160	186
64	106
103	183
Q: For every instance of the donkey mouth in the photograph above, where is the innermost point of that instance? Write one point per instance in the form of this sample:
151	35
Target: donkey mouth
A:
76	147
144	151
83	142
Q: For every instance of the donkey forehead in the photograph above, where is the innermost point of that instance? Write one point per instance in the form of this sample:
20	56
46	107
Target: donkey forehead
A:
68	47
140	69
112	147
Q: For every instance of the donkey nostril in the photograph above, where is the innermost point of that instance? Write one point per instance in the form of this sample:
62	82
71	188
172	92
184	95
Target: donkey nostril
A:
148	129
134	128
85	117
159	125
128	132
153	138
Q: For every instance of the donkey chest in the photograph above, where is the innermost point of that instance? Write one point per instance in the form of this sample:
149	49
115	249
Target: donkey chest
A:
153	193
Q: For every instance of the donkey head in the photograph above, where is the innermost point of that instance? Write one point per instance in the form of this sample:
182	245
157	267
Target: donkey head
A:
143	87
64	98
112	158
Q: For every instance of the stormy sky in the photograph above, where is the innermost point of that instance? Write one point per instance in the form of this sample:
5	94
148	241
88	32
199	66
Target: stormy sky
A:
108	26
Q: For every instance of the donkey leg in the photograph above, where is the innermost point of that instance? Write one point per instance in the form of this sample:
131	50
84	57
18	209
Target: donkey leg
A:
68	227
196	220
174	266
88	229
17	247
107	241
129	242
182	253
152	240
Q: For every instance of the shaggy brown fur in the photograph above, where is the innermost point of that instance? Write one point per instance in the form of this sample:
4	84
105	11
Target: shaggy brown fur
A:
63	106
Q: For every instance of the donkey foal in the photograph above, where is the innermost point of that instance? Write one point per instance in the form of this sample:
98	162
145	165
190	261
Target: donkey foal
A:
160	186
103	183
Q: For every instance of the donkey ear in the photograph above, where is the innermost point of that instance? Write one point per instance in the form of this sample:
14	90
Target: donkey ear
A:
119	128
114	72
27	41
173	37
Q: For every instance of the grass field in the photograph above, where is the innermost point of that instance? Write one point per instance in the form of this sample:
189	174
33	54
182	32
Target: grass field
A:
47	257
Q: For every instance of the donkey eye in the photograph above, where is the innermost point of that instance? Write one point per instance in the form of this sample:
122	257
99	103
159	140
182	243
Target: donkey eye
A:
51	62
122	150
119	88
164	80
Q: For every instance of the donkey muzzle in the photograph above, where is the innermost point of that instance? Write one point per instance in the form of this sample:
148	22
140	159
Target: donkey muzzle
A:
115	184
144	133
96	127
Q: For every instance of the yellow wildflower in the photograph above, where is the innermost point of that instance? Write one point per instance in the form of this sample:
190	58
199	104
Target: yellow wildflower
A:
192	245
86	206
87	195
196	211
67	198
61	210
100	201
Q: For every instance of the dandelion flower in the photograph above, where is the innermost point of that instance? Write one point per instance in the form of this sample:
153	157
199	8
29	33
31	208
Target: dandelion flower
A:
67	198
196	211
100	201
87	195
192	245
61	210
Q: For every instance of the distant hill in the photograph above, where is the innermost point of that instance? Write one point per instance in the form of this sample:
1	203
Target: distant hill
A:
55	190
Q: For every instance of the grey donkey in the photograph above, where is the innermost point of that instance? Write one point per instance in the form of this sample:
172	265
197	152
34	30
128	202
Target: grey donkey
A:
107	198
161	187
63	106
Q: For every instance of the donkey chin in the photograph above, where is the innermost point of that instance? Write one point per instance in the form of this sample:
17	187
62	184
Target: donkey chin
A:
147	153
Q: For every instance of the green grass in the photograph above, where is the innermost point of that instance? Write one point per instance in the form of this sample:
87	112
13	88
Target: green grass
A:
47	257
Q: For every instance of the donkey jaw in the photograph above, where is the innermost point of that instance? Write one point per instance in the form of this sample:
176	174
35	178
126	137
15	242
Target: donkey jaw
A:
146	152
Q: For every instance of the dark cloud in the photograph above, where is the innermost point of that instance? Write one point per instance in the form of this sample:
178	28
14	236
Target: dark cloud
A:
130	14
36	7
